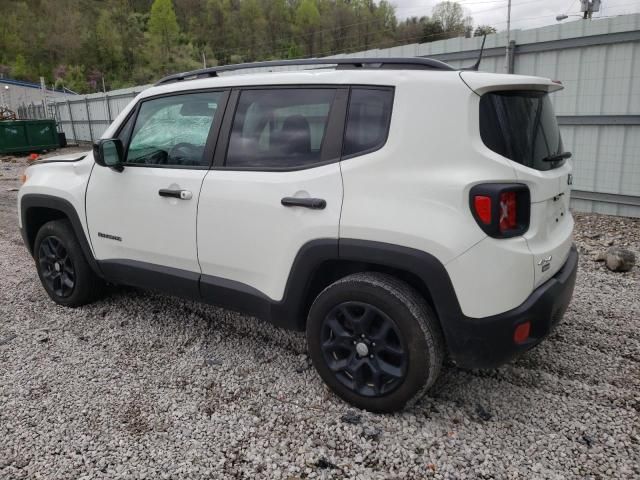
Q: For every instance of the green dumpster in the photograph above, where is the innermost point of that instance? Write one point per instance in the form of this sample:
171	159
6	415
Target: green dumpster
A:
28	135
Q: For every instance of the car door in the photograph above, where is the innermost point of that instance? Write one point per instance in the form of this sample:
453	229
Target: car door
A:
275	186
143	219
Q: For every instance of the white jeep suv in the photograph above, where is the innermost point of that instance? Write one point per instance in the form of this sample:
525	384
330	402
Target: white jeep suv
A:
398	210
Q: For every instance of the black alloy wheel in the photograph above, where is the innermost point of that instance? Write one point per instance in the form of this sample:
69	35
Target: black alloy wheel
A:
374	341
364	348
56	267
64	271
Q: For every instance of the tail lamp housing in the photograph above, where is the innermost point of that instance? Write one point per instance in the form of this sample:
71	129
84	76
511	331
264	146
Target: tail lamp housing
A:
502	210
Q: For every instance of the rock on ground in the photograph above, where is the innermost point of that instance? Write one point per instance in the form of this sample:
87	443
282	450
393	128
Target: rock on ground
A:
619	259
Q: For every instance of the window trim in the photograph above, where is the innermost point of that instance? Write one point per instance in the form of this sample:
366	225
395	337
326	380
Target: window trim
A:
218	140
331	149
212	137
386	137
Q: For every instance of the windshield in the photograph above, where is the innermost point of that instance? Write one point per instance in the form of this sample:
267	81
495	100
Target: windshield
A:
521	126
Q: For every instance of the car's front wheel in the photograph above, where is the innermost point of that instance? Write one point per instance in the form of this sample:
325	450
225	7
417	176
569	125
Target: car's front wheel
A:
375	341
63	270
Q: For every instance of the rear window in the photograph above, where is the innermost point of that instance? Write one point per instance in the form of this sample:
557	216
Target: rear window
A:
521	126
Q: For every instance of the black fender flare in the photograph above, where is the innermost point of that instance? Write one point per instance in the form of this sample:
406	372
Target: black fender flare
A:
428	269
30	201
420	264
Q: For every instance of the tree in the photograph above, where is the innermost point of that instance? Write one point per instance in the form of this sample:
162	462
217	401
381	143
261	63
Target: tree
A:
109	43
163	28
482	30
451	18
10	40
307	19
252	27
277	17
341	21
75	79
219	34
432	30
132	42
19	68
468	26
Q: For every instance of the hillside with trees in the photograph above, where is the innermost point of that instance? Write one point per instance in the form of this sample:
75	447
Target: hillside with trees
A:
80	44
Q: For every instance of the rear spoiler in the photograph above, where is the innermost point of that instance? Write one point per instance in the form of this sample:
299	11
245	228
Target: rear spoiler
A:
481	82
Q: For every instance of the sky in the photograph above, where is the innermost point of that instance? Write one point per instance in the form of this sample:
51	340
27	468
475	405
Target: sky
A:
524	13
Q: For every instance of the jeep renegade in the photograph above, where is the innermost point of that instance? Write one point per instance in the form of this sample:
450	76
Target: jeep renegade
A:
397	210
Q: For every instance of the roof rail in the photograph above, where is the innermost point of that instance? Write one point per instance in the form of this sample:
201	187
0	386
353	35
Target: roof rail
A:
408	63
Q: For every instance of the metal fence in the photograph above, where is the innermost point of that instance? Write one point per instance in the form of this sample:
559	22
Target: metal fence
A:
599	110
86	117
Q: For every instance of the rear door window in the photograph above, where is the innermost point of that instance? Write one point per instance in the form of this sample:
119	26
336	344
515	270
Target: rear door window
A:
367	121
279	128
521	126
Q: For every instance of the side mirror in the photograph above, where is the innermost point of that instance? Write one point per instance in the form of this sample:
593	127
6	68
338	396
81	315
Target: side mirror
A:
109	153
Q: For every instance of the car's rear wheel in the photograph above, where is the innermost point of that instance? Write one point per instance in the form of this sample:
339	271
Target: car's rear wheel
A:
375	341
63	270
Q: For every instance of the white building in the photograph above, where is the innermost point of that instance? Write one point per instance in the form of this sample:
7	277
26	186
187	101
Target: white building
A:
18	94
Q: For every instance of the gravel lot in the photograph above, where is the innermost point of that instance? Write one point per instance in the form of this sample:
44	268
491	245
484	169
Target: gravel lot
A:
144	386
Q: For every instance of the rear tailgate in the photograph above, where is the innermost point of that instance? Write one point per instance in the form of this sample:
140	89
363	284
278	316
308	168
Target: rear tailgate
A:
517	121
550	232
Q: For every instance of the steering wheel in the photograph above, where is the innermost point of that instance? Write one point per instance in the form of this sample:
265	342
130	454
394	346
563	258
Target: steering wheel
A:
184	151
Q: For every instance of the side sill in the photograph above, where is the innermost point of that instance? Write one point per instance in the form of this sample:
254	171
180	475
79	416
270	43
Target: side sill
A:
172	281
287	313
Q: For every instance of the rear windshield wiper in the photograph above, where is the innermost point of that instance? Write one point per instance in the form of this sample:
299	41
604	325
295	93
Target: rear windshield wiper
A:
556	157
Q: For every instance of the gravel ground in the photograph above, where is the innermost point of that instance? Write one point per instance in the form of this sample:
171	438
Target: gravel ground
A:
144	386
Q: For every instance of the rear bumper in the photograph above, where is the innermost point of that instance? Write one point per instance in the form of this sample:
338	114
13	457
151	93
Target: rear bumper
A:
488	342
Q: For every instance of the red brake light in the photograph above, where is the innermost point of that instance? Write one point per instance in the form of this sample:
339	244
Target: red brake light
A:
507	211
482	204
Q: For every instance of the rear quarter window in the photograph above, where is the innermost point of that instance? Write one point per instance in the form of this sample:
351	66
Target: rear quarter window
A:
368	120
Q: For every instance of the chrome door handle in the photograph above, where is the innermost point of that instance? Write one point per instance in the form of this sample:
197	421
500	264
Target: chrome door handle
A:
181	194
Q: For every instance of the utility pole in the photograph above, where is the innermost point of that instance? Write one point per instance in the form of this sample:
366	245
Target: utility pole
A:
587	7
45	103
508	48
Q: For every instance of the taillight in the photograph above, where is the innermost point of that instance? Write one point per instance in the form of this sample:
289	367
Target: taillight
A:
482	205
502	210
508	205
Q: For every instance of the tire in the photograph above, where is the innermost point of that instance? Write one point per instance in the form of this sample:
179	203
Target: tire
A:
72	282
403	345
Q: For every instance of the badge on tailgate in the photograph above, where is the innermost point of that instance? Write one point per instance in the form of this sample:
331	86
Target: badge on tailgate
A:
545	263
